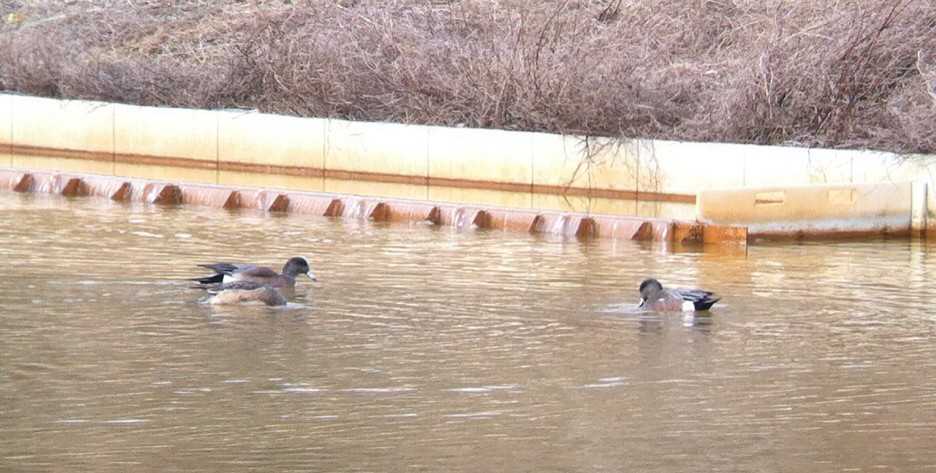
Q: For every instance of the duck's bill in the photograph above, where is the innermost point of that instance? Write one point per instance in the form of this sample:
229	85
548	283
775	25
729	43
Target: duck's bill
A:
311	276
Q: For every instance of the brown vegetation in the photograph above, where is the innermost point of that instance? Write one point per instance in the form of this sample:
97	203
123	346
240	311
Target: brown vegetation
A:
831	73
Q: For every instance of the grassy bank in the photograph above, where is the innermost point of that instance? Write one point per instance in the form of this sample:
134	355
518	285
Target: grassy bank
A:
830	73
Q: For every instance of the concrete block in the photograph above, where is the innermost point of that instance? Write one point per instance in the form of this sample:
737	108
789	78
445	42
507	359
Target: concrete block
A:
811	209
311	204
488	159
161	193
64	185
922	168
624	228
33	182
566	225
413	211
258	142
685	232
661	230
63	128
113	188
724	234
364	209
874	166
166	136
511	219
386	151
14	180
210	196
266	200
458	216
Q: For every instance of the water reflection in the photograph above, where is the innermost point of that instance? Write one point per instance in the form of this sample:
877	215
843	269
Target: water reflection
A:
439	349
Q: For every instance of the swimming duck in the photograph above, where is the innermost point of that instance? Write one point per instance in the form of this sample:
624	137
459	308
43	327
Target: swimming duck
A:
241	292
654	297
230	272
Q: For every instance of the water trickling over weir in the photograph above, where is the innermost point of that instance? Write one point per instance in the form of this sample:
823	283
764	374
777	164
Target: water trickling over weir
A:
364	208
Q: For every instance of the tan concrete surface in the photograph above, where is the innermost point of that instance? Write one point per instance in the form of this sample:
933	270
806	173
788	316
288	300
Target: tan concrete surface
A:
6	130
66	125
172	173
790	166
871	167
658	209
825	208
261	140
670	167
54	163
577	203
480	196
175	133
282	181
386	148
481	155
376	189
827	166
567	161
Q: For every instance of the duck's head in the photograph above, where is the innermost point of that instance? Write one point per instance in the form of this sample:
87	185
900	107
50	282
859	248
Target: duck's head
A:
647	287
298	265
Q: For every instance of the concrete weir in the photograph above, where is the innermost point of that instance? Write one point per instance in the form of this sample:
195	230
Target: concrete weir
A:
576	186
354	207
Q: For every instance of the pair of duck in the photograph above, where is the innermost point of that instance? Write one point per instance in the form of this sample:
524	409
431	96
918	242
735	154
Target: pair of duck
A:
239	283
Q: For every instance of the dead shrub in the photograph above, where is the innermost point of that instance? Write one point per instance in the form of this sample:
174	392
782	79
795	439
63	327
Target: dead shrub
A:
831	73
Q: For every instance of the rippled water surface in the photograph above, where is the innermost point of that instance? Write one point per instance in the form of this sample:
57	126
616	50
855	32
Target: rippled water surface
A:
432	349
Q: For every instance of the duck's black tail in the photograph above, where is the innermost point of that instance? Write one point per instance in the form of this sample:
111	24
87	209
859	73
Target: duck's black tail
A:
705	303
701	300
220	269
214	279
206	280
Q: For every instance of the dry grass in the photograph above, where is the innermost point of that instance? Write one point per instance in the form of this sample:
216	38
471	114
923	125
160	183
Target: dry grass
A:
831	73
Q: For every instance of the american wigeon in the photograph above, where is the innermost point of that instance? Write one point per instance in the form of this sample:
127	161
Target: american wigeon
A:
242	292
230	272
654	297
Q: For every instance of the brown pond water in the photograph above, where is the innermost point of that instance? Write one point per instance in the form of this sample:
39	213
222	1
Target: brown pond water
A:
433	349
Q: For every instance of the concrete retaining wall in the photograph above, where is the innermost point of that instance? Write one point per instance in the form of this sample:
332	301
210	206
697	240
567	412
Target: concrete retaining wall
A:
819	209
472	166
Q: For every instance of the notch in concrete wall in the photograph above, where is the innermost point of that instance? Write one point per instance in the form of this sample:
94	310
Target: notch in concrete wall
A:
769	198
